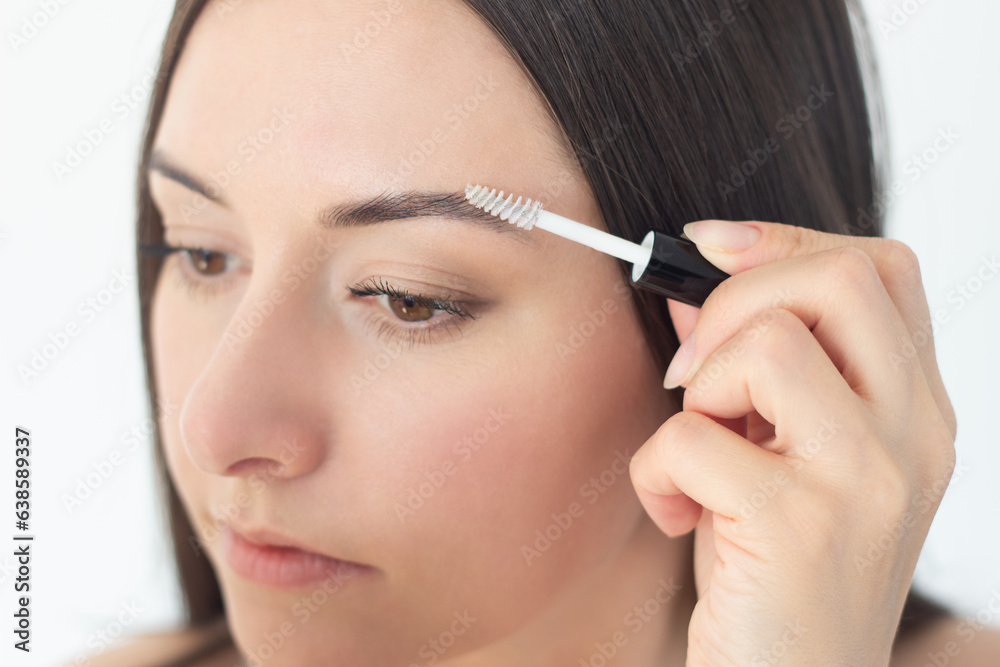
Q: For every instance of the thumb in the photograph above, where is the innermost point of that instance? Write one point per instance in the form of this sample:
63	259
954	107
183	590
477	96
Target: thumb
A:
675	515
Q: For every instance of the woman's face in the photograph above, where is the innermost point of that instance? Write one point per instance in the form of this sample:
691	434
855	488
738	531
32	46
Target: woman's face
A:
444	450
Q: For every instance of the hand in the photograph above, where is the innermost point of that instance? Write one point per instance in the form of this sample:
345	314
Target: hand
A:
814	445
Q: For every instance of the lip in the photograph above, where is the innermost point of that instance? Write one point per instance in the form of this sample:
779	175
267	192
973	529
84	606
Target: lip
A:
274	561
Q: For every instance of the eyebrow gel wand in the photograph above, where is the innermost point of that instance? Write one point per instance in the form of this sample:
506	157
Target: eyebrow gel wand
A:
662	264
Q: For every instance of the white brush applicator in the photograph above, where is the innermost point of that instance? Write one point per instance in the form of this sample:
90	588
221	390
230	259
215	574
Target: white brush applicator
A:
662	264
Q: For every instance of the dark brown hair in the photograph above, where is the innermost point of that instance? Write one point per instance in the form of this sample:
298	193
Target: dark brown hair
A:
675	111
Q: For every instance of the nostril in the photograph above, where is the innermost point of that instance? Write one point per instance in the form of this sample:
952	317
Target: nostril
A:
252	464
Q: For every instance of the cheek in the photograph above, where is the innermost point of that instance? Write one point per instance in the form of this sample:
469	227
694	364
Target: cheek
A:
521	475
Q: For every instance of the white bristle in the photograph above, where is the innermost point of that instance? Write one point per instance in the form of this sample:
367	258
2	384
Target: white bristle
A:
504	214
530	214
523	215
493	202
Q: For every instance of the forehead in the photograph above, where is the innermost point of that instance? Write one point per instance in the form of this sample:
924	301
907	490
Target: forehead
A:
345	96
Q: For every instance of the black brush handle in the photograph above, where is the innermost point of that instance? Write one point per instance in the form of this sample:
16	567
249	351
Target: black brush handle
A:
676	270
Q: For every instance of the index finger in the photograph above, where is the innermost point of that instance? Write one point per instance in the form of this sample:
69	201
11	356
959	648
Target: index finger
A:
738	246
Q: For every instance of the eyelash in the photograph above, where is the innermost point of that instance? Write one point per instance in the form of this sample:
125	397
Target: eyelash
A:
418	334
199	286
205	287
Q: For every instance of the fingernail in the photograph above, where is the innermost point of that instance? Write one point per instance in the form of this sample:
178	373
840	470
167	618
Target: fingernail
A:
680	365
722	235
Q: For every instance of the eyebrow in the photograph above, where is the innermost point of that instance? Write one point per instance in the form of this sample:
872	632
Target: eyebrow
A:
385	207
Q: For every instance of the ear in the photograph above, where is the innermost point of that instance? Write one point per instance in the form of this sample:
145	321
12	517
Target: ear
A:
683	316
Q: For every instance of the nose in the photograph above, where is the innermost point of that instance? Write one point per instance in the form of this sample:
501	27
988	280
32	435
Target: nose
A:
258	405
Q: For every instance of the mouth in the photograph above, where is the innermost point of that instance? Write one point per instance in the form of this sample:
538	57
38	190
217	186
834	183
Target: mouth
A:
274	561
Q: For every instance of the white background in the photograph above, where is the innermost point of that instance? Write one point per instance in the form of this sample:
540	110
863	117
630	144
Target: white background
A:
61	242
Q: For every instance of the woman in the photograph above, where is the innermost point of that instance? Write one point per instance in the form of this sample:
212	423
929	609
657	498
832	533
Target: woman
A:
440	440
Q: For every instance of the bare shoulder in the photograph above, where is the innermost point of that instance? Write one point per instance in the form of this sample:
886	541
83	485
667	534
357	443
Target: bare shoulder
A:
160	648
952	641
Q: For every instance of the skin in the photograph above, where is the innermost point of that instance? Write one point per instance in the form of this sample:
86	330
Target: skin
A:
284	404
282	410
808	531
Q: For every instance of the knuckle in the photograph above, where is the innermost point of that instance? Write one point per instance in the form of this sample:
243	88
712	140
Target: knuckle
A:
951	421
721	302
948	460
900	263
670	440
679	428
774	330
889	488
893	490
942	454
854	269
799	241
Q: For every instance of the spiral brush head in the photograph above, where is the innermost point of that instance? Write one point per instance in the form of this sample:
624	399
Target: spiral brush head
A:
523	215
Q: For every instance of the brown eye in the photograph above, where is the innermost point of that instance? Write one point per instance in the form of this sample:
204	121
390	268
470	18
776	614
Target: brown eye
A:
207	262
419	309
408	309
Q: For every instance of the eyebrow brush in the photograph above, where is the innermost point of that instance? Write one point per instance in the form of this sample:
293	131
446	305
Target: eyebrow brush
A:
663	264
